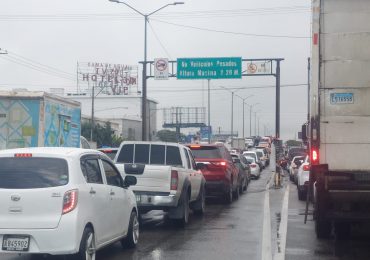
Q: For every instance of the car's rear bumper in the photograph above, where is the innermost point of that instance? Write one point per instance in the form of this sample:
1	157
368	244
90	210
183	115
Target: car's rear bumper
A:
147	201
63	240
216	188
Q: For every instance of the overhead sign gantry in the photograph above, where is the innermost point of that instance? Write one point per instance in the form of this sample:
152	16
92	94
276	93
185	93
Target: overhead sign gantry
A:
222	68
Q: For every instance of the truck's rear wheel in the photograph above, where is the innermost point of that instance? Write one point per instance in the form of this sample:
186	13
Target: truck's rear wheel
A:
342	230
301	194
322	228
184	220
200	204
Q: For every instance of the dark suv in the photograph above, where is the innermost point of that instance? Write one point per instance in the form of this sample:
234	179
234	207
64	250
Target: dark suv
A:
218	169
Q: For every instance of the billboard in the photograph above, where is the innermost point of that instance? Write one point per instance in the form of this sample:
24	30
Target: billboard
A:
107	78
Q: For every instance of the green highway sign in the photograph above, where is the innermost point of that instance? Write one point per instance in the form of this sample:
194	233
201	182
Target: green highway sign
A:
209	68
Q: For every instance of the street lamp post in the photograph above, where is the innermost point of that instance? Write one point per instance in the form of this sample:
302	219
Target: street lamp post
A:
243	99
232	109
250	117
144	94
255	121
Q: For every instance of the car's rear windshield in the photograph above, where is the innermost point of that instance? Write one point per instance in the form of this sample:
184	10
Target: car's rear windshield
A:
249	159
32	173
150	154
253	155
207	152
296	152
111	153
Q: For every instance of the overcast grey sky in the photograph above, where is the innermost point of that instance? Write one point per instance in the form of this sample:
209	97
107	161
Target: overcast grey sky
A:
61	33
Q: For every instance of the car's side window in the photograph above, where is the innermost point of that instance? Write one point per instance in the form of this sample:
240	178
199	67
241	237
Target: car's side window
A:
112	175
187	158
91	171
173	156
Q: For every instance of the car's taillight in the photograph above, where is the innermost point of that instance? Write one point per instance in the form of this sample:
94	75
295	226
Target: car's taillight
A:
315	156
221	163
70	201
306	167
253	165
174	179
23	155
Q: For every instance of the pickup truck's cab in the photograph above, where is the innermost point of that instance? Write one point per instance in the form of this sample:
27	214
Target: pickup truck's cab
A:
167	177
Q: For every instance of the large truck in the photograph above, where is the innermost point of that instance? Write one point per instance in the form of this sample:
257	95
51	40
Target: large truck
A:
36	118
238	143
339	121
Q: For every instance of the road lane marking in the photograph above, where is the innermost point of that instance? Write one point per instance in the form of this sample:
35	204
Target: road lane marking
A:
266	232
283	228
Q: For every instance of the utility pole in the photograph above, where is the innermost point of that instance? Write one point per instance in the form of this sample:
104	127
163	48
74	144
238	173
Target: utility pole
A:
209	111
232	115
277	126
145	77
308	88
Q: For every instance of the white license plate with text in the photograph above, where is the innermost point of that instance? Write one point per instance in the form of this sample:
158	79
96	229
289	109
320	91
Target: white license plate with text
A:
15	243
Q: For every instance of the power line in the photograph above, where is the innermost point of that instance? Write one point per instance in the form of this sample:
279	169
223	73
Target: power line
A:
168	15
42	65
160	42
216	89
233	33
35	67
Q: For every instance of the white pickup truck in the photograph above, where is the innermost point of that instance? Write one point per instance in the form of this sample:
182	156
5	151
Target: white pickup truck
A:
167	178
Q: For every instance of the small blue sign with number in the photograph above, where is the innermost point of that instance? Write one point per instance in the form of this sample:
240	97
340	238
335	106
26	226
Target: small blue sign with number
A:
341	98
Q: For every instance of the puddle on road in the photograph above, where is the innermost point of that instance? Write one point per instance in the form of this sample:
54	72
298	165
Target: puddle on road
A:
278	221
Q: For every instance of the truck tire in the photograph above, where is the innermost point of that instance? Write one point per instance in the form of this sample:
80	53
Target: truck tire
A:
200	205
302	194
342	230
322	226
184	220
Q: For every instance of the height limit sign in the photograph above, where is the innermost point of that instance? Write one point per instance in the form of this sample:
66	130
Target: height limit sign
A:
161	68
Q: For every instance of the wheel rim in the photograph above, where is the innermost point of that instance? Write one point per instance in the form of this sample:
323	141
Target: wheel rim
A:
135	230
90	247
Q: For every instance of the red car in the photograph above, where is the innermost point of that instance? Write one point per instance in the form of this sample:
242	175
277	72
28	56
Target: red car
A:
218	169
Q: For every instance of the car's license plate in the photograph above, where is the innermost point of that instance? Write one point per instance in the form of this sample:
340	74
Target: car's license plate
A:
15	243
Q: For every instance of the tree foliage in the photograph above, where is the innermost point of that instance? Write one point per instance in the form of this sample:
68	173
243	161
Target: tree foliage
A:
102	135
168	136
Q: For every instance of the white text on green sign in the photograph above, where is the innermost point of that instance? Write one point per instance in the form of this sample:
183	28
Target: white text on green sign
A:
209	68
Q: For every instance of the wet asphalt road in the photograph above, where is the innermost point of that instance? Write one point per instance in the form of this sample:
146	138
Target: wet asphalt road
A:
236	231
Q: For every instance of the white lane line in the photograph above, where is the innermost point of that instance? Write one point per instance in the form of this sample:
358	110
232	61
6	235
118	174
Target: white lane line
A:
266	253
283	228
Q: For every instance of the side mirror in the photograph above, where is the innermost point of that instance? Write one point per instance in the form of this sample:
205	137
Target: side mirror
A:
201	166
129	181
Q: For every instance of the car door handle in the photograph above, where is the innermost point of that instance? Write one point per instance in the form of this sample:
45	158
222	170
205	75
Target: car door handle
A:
92	191
112	193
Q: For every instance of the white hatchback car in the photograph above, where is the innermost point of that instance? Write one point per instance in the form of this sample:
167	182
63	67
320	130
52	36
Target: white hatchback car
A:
255	168
64	201
303	177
